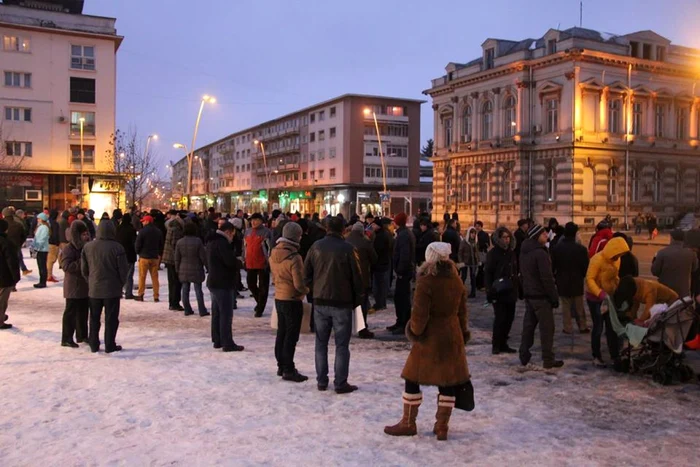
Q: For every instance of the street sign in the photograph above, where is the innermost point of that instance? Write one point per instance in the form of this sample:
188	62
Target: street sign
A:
385	197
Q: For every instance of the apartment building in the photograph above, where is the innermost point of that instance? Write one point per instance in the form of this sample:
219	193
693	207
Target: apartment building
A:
59	70
576	124
323	158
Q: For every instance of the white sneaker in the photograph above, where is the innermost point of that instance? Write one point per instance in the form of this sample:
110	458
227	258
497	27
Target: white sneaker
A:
598	363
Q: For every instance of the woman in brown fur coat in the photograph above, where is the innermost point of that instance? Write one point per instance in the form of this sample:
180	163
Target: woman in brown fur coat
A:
438	330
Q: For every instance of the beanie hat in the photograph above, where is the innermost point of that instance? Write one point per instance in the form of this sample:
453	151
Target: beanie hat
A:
400	219
358	227
535	231
3	226
147	219
570	230
8	211
237	223
43	217
292	231
438	251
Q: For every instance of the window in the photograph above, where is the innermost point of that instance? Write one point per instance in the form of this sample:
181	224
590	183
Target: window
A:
82	90
332	112
467	125
614	114
551	46
485	187
332	132
18	80
510	117
331	153
659	120
18	148
312	156
660	53
312	118
321	115
16	44
552	107
320	174
18	114
88	154
637	118
304	176
312	137
489	55
447	126
464	194
332	173
312	175
634	185
612	184
321	155
508	187
646	51
82	57
656	186
682	123
396	151
634	49
88	125
487	120
322	135
551	186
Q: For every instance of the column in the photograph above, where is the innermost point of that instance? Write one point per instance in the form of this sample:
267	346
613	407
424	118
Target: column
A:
497	114
455	126
604	110
436	127
519	110
476	117
651	117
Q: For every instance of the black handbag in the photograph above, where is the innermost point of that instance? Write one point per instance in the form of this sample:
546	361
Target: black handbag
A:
502	286
464	397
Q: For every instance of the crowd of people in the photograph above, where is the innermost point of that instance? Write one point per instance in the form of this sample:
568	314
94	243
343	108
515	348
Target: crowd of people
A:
338	265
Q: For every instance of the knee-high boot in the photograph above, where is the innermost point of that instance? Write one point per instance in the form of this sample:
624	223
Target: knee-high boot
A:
442	417
407	424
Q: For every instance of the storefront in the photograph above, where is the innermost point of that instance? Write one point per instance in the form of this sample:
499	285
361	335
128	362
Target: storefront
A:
23	191
104	195
337	202
302	201
258	202
369	202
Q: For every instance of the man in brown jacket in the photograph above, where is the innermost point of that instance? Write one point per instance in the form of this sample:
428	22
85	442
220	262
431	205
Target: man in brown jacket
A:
287	270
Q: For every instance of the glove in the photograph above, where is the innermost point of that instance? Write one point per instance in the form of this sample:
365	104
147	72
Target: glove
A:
467	336
602	295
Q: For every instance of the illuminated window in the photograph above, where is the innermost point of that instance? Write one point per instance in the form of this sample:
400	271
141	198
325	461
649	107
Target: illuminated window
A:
614	116
16	44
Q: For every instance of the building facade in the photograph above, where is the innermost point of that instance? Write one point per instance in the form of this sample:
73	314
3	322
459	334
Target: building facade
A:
324	158
574	125
58	66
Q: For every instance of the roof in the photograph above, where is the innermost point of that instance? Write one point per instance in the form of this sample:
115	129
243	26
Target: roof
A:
65	6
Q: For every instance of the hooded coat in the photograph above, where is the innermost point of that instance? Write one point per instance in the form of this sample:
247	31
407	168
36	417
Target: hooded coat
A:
536	272
674	266
288	271
451	236
422	242
74	284
103	263
126	236
501	264
176	230
16	231
598	241
603	271
438	329
63	226
570	263
650	293
190	259
54	229
468	251
9	263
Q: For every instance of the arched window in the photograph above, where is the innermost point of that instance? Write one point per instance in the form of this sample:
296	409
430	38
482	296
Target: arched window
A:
588	185
467	125
485	187
447	129
551	183
508	187
487	120
509	113
613	184
634	185
464	195
656	186
682	122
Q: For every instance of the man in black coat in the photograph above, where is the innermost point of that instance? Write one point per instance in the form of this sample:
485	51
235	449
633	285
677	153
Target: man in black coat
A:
126	236
368	257
483	244
221	283
570	263
9	272
428	236
451	236
149	247
500	277
384	246
16	234
404	263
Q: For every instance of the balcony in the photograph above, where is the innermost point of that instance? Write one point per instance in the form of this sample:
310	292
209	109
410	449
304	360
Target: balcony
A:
278	134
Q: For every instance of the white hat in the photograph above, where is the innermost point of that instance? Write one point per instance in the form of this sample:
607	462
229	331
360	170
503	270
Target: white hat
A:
438	251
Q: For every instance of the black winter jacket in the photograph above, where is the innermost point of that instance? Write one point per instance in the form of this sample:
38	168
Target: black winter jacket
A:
9	263
384	246
74	284
405	253
103	263
501	263
452	237
54	235
332	273
126	236
149	242
222	263
570	263
426	238
16	233
365	253
536	271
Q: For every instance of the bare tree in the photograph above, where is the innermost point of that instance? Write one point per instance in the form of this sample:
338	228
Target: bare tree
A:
11	160
135	165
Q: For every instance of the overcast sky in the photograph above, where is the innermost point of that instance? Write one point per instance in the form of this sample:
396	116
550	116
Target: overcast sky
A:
264	58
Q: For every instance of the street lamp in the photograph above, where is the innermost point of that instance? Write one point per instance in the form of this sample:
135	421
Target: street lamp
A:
82	161
210	100
267	173
367	111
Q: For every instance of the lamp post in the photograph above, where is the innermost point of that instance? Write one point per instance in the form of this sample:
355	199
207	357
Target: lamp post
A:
267	173
183	188
211	100
367	112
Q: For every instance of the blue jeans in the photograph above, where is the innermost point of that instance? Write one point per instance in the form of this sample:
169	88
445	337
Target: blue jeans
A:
598	321
327	318
129	286
186	298
380	288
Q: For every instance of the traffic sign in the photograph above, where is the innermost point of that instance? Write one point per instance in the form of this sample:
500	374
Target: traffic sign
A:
385	197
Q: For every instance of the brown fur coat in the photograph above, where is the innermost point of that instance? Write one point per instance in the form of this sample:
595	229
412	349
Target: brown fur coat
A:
438	329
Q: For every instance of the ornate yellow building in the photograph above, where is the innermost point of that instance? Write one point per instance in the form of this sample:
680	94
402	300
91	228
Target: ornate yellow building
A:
576	125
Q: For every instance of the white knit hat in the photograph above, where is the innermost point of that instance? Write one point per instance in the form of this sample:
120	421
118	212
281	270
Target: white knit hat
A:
438	251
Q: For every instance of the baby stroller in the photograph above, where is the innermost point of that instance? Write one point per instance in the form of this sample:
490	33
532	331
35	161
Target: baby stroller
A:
657	350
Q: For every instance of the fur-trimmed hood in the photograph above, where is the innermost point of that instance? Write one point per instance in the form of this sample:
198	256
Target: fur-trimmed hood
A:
496	240
76	229
443	268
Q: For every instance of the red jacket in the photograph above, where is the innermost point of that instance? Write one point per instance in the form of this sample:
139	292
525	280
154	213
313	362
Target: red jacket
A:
257	247
598	241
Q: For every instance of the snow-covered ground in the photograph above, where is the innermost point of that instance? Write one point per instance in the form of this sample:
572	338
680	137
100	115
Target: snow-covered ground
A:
169	399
